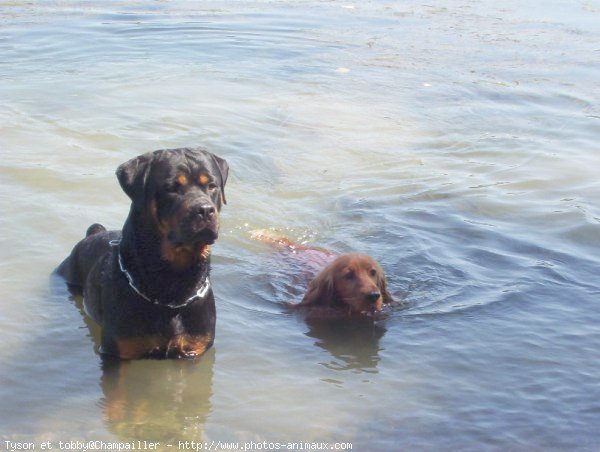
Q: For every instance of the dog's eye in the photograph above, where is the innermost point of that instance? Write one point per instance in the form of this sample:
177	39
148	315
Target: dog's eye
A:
373	272
181	180
212	186
349	276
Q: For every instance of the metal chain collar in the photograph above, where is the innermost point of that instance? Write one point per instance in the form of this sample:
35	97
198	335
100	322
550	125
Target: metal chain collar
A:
201	293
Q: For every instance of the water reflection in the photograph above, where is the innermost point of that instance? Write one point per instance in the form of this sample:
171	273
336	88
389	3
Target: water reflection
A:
354	344
166	400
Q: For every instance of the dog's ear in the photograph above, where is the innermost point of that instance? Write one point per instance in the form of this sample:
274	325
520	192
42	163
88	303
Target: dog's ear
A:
382	285
223	168
132	175
320	290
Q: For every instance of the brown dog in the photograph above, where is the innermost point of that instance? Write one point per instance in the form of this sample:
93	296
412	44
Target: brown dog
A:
349	285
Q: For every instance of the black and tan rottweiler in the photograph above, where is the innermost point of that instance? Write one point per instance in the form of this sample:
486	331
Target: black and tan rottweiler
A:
148	285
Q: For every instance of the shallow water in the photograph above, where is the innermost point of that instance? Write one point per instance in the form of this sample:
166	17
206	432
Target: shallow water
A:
457	144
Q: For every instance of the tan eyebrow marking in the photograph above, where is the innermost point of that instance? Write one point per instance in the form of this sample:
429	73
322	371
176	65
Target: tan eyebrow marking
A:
203	179
182	179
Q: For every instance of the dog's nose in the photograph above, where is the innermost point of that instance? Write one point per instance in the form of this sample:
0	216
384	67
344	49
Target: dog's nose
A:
205	211
372	297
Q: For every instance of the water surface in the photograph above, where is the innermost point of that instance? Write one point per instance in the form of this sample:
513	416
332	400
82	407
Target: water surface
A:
455	143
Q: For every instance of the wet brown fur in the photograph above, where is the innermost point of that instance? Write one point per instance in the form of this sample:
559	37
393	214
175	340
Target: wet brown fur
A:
351	285
352	282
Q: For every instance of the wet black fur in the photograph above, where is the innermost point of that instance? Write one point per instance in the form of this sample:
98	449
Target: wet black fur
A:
93	269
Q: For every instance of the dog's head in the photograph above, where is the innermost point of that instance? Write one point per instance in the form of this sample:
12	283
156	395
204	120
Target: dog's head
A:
180	192
354	280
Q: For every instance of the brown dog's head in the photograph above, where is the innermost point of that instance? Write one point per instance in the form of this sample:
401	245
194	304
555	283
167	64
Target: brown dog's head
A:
180	192
355	281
